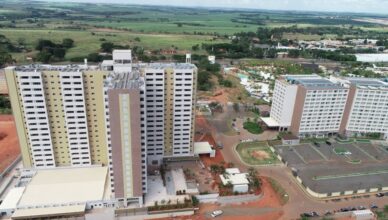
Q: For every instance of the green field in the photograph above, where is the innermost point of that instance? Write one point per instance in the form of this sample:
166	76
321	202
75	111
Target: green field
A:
157	27
86	42
256	153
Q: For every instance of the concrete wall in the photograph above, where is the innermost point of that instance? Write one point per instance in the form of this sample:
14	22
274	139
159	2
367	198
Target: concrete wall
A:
240	188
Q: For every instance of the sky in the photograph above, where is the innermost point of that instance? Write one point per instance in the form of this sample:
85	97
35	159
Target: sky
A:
364	6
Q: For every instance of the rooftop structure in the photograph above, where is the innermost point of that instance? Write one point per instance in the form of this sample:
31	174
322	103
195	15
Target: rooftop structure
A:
56	192
65	185
311	82
204	148
238	180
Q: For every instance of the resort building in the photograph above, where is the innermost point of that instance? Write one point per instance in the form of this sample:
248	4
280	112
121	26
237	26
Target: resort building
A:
323	107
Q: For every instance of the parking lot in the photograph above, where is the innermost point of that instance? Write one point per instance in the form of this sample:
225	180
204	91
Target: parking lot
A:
336	167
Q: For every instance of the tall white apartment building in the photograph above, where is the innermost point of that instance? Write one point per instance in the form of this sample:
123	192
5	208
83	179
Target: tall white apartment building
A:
324	107
121	115
283	101
36	121
367	111
319	106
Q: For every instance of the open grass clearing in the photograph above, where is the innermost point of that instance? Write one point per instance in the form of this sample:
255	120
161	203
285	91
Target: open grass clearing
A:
256	153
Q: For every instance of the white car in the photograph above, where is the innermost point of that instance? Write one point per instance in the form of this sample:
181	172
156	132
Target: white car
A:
216	213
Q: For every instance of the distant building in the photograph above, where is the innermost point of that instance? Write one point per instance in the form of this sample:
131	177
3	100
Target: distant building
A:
372	58
212	59
309	105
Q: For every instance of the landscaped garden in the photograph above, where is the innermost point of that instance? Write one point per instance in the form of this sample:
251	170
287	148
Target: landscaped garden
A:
252	126
256	153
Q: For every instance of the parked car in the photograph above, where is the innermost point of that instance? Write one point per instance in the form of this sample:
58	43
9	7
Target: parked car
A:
306	214
220	145
216	213
327	213
309	214
328	142
374	206
380	195
361	208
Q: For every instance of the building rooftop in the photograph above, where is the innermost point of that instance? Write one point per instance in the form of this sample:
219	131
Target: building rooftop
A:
65	186
312	82
131	80
169	65
47	67
233	176
203	148
372	83
12	198
45	212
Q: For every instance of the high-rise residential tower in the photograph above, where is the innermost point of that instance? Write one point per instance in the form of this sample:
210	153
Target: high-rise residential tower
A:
119	114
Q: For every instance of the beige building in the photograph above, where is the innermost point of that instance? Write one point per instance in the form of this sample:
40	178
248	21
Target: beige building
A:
60	108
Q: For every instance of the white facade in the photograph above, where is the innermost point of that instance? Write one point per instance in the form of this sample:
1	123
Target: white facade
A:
183	105
324	107
154	114
322	111
369	112
283	101
75	116
122	61
35	114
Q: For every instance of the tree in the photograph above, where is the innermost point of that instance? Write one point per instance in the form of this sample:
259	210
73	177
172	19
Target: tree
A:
271	53
204	83
95	57
59	52
293	53
195	47
43	57
5	58
67	43
43	44
107	47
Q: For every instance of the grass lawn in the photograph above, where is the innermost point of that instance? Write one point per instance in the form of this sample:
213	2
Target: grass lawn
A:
252	127
280	191
87	41
340	151
256	153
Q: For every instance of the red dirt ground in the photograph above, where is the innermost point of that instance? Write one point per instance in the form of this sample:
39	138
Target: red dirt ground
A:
270	199
9	146
202	124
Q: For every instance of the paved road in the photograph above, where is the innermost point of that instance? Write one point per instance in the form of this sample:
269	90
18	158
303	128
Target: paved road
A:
299	200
